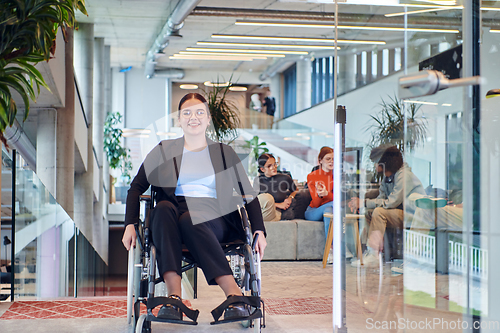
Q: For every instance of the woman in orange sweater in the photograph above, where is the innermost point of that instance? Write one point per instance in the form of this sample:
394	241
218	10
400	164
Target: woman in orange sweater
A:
320	183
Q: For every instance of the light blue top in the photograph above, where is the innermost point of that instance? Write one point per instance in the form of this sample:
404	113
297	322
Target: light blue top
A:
196	176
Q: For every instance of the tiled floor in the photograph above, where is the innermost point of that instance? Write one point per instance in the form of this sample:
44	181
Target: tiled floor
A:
297	295
298	298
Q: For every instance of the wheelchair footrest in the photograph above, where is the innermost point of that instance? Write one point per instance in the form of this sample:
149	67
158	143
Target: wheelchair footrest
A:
191	314
172	321
253	301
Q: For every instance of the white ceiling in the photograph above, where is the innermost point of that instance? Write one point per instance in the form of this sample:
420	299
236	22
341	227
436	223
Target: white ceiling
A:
131	26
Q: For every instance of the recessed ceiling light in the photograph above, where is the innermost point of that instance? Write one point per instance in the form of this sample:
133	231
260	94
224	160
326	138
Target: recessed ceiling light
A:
202	49
300	39
216	84
188	86
238	88
276	46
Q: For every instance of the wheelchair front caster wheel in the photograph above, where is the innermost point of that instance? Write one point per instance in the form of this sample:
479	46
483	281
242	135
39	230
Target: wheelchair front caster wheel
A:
246	323
256	325
140	327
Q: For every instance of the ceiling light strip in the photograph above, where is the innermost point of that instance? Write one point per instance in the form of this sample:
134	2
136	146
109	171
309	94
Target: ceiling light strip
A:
276	46
299	39
186	57
224	56
253	55
420	102
485	9
342	27
423	11
495	31
202	49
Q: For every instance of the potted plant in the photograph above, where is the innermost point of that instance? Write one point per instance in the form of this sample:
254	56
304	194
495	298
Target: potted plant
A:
256	149
117	156
224	114
389	125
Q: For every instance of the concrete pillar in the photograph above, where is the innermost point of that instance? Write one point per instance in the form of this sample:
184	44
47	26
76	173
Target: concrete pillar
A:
84	182
380	63
46	148
392	60
99	228
275	88
107	108
65	151
403	58
359	70
304	68
350	72
369	67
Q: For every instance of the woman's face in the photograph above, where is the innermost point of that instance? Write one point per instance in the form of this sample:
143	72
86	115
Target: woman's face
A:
194	117
327	162
270	168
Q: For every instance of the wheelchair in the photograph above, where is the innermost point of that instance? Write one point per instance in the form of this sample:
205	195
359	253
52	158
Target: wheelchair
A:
143	277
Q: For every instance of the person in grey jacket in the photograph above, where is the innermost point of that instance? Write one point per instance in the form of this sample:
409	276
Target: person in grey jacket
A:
398	183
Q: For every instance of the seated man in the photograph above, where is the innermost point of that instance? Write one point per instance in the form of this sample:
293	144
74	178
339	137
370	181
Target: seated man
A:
398	183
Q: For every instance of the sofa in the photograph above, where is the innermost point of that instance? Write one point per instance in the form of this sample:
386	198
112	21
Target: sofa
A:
296	239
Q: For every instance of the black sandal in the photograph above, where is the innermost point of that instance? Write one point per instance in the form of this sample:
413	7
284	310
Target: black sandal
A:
172	310
169	311
237	308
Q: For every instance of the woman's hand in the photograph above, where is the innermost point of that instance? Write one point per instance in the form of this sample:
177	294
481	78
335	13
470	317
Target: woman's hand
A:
283	205
129	237
261	243
321	189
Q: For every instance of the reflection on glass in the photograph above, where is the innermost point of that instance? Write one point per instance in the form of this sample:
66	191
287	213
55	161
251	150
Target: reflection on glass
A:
437	263
44	242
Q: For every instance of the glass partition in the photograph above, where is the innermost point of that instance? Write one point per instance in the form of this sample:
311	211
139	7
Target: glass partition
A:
44	241
427	255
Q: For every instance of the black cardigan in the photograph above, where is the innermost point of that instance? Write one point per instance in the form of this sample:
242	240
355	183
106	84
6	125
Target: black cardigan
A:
161	168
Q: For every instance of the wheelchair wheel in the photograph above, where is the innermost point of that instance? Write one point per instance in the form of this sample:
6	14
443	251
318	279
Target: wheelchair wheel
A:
256	325
142	324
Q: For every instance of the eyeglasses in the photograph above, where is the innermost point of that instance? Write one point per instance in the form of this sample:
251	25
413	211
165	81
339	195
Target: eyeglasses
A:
188	113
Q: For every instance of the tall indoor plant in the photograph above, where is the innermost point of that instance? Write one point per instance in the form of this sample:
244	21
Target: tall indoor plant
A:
388	125
28	30
117	155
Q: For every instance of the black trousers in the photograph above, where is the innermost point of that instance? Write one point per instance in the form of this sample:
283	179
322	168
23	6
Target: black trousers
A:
172	226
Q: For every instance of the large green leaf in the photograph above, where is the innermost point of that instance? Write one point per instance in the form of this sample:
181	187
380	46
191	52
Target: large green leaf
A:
28	30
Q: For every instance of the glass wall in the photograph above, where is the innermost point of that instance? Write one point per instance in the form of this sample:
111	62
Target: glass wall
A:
44	241
425	212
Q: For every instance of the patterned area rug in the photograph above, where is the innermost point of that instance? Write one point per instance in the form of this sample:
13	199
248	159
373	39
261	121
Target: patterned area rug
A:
117	308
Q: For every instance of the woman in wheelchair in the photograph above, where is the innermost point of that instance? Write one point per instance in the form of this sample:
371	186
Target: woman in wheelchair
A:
194	178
